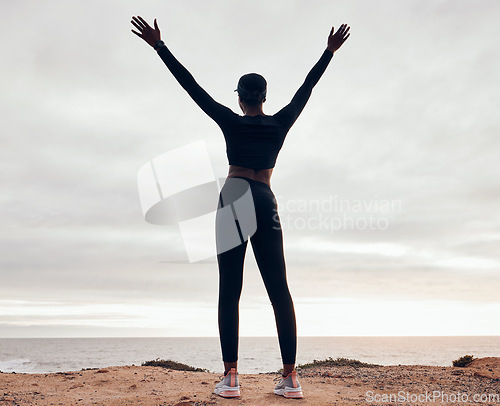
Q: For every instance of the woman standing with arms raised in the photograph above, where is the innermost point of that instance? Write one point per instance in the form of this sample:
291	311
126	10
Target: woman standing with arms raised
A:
253	142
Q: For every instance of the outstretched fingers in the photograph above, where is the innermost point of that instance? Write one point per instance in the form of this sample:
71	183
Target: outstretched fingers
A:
343	33
143	22
347	33
336	40
137	23
142	26
144	31
137	26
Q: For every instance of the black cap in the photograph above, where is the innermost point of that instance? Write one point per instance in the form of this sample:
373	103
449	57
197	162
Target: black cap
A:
252	88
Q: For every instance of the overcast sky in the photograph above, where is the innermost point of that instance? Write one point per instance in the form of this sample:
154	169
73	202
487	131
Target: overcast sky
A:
401	133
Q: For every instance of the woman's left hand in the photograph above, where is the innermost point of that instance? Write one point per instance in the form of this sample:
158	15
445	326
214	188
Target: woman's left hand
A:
147	33
336	40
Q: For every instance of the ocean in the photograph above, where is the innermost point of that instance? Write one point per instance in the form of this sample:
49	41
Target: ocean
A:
256	354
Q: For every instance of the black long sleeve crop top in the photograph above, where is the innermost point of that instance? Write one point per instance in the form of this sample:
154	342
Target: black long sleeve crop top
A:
251	141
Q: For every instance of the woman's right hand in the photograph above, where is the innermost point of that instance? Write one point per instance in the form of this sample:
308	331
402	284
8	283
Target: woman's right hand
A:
148	34
336	40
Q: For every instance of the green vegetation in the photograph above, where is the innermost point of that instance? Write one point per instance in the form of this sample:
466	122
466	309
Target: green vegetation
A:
463	361
171	365
339	362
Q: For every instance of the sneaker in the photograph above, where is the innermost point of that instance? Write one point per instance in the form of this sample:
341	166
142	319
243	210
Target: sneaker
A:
289	387
229	387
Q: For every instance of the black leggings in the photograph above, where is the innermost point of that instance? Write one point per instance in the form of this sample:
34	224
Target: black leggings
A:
237	224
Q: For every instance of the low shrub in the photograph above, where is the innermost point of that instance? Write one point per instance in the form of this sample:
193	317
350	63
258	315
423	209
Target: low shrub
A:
339	362
463	361
178	366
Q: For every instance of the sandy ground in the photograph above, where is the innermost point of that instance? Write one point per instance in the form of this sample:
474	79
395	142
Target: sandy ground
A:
477	383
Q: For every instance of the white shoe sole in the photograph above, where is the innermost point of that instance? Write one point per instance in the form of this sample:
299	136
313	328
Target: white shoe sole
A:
228	391
294	393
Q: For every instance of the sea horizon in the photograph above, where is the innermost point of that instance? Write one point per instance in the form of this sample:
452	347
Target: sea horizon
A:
256	354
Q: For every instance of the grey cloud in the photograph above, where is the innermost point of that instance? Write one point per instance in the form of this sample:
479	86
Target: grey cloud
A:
405	112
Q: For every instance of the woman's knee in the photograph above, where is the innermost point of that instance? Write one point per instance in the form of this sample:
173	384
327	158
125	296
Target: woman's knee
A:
229	296
281	299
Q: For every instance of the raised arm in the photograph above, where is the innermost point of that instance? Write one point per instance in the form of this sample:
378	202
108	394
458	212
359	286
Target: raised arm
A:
216	111
288	114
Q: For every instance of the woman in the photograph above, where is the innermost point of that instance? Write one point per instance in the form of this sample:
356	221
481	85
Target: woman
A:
253	142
